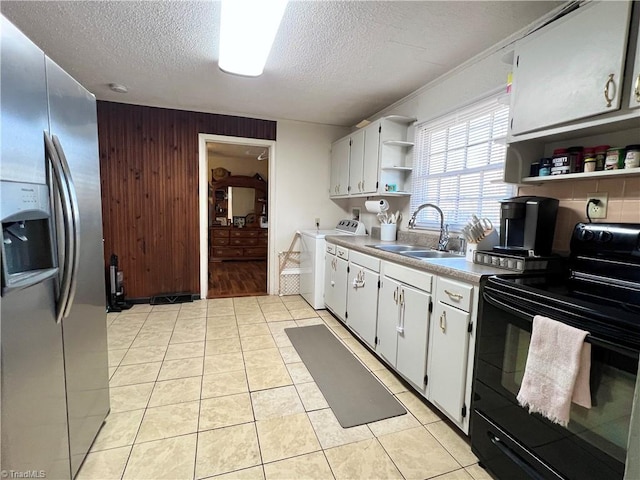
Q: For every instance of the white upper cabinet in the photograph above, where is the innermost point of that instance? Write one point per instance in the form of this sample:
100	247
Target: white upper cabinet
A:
572	68
634	95
356	162
340	168
374	160
370	159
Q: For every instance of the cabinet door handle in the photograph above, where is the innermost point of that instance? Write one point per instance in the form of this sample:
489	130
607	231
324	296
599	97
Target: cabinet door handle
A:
636	90
395	295
400	326
606	90
362	187
457	296
443	321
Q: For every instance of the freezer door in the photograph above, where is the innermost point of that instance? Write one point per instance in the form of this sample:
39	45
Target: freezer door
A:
23	116
74	129
34	414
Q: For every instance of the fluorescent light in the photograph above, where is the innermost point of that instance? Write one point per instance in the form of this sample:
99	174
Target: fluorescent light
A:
247	31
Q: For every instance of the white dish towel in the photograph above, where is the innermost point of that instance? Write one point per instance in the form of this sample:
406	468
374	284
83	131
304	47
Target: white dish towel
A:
557	370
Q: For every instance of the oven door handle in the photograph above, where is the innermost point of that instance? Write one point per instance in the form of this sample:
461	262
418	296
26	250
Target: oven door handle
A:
529	318
505	306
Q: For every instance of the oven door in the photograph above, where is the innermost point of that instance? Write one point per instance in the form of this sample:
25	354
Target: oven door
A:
515	444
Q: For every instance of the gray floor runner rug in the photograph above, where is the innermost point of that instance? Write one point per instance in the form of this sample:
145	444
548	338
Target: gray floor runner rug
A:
353	393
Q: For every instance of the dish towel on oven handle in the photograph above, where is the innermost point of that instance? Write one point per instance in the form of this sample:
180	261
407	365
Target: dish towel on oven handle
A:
557	370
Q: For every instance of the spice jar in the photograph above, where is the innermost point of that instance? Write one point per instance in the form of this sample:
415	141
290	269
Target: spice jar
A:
545	167
632	157
589	160
575	159
601	155
560	163
615	159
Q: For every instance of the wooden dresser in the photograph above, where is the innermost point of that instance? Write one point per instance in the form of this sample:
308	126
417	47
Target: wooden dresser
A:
231	243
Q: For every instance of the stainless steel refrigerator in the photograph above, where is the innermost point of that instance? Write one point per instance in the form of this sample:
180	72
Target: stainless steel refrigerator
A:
55	393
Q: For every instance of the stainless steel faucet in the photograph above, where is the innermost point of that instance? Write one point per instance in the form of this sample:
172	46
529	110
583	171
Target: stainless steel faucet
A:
442	241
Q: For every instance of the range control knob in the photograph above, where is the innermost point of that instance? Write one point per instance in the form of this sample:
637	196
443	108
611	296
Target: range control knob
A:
586	235
605	237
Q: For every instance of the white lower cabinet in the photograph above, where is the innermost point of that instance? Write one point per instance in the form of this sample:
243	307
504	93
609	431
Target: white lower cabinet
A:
449	345
403	321
335	282
428	341
362	296
448	359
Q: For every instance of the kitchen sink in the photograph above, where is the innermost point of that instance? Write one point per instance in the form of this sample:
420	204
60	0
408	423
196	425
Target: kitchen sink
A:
399	248
415	251
428	254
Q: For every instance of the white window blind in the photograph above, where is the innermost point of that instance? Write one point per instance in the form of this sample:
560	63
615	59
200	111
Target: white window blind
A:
459	163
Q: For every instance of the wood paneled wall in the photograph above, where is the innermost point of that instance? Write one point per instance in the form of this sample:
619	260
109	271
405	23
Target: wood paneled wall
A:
149	176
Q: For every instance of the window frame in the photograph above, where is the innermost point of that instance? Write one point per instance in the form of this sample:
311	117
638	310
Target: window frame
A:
456	216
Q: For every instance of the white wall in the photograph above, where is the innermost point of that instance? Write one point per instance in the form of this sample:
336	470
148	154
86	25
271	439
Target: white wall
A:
302	179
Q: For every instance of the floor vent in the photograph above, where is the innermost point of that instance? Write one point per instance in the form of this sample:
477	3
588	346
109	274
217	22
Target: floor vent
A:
170	298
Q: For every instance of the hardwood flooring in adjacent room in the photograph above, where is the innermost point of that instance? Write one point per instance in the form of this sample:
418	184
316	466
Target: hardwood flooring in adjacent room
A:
237	278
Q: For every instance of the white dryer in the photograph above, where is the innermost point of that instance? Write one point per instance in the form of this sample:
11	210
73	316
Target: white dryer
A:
312	259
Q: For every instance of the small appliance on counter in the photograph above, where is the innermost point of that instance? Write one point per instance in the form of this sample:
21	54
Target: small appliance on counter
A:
527	227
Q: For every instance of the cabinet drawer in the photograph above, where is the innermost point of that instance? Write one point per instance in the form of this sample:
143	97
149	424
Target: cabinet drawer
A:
331	248
244	234
366	261
227	252
454	293
409	276
263	241
255	252
215	233
219	241
264	233
244	241
342	252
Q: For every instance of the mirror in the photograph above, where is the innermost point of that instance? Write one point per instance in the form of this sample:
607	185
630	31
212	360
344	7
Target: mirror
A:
241	201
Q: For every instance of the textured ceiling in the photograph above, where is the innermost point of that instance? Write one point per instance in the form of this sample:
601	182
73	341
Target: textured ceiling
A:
333	62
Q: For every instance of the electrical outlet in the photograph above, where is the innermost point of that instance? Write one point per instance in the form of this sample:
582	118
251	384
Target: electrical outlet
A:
600	210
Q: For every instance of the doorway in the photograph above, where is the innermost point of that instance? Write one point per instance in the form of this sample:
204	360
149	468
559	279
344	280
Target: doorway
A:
236	176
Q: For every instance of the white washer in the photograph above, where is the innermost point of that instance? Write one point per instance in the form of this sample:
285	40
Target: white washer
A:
312	259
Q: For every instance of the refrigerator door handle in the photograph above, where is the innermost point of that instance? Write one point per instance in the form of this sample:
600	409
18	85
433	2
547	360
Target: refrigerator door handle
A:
75	224
60	183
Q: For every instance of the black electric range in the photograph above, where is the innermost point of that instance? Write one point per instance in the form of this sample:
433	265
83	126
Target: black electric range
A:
598	291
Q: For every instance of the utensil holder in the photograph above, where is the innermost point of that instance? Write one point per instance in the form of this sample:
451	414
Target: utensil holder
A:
487	243
388	232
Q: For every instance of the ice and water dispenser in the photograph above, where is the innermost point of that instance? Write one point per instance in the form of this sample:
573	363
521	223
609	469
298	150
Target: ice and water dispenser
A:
27	250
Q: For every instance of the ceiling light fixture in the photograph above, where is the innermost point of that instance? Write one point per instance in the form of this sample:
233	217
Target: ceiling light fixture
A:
247	31
116	87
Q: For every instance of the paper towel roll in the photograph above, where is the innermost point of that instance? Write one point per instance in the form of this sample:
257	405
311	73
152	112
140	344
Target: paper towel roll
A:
376	206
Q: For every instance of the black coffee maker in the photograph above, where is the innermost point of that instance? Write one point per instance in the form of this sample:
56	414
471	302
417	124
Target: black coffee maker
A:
527	226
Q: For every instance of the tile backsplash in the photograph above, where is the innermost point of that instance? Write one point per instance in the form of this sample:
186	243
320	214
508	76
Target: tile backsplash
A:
624	202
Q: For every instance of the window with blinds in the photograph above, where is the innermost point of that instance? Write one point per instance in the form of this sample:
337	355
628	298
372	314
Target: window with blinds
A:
459	163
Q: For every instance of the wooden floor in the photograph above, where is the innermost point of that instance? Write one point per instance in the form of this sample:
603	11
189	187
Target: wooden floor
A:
237	278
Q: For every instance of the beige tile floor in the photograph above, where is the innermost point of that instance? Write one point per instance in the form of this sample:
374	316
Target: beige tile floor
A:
214	389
